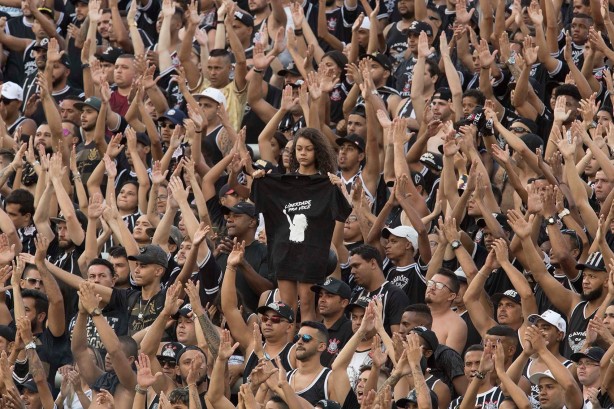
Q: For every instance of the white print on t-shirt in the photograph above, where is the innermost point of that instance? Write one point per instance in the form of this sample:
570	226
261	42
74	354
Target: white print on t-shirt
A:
298	223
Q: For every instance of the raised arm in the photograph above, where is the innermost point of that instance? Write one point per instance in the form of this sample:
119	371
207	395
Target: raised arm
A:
56	317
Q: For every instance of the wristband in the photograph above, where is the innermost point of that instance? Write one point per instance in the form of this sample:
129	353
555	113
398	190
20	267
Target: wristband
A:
30	345
298	32
220	21
85	65
480	375
564	212
257	71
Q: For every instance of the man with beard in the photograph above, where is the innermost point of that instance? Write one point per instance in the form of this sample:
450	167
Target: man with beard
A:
10	110
261	10
353	163
311	380
253	276
89	155
396	33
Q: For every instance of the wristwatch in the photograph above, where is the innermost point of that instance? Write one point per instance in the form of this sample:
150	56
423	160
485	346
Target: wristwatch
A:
564	212
96	312
455	244
550	221
30	345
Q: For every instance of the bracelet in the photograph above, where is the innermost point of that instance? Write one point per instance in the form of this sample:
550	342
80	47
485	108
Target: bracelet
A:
220	21
36	163
30	345
85	65
298	32
140	390
257	71
480	375
564	212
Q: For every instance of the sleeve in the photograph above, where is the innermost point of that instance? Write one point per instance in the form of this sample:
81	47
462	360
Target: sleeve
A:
210	277
396	303
452	364
340	206
119	298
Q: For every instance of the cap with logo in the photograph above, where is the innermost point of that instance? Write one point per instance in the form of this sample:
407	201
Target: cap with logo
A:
92	102
381	59
592	353
535	378
413	398
169	351
429	336
552	318
594	262
110	55
405	232
213	94
185	311
151	254
176	116
511	294
352	139
289	69
418	179
43	44
244	18
241	208
416	27
443	93
10	90
226	190
362	302
279	308
327	404
432	160
334	286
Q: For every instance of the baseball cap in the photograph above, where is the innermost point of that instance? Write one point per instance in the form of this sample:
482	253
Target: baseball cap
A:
244	18
405	232
381	59
432	160
366	24
429	336
226	190
594	262
110	55
460	274
413	398
416	27
552	318
176	116
169	351
151	254
289	69
92	102
10	90
537	376
43	44
214	94
185	311
328	404
511	294
47	12
418	179
280	308
81	218
528	123
334	286
7	333
241	208
30	385
442	93
143	138
174	234
189	348
501	219
265	165
532	141
362	302
592	353
352	139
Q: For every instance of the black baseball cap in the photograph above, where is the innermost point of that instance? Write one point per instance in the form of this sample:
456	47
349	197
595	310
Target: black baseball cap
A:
413	398
511	294
594	262
416	27
244	18
280	308
334	286
532	141
432	160
110	55
429	336
289	69
381	59
352	139
592	353
362	302
169	351
43	44
328	404
151	254
442	93
241	208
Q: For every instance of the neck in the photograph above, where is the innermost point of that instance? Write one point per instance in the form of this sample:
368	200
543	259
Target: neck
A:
11	118
439	309
211	126
247	237
349	173
310	366
275	345
150	290
486	385
376	283
124	91
88	135
261	15
331	319
60	85
307	170
404	261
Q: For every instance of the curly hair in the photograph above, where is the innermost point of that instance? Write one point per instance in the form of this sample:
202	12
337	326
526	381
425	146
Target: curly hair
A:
324	155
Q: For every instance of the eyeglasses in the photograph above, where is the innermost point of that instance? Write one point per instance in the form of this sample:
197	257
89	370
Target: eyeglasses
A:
587	364
519	129
303	337
168	125
34	281
275	319
437	285
162	198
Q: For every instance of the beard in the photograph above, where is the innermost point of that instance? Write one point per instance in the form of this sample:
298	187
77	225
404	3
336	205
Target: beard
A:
330	3
407	15
593	295
304	355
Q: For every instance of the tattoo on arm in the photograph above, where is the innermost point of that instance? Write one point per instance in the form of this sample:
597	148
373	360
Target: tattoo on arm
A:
211	334
224	143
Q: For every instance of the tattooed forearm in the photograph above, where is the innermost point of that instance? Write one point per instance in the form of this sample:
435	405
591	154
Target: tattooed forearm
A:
211	334
35	365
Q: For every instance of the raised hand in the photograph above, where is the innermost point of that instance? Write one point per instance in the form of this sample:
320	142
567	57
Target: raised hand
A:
88	297
226	349
144	377
413	351
201	234
519	225
235	258
501	251
42	244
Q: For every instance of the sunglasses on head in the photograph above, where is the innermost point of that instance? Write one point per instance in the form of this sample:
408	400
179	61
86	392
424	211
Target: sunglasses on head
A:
275	319
304	337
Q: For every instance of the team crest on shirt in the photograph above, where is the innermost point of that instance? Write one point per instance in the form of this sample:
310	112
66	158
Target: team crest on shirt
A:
335	95
331	24
333	346
490	405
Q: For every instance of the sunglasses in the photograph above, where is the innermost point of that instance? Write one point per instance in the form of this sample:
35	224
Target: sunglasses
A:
519	129
305	338
437	285
34	281
6	101
168	125
170	364
275	319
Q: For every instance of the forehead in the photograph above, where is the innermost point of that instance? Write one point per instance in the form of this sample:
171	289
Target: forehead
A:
356	118
473	356
43	128
97	269
188	356
124	61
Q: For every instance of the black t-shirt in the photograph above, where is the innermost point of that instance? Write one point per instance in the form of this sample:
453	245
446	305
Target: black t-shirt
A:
13	69
256	256
411	279
446	364
117	319
142	313
67	261
394	301
299	213
338	335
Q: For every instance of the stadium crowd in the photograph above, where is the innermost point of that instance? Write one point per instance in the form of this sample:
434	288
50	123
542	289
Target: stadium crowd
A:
332	204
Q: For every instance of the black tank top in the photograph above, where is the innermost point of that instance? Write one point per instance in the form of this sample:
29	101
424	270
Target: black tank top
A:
396	40
211	152
317	390
252	361
576	329
15	124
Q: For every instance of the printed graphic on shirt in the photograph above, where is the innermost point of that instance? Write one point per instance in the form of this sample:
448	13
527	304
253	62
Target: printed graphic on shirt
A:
298	222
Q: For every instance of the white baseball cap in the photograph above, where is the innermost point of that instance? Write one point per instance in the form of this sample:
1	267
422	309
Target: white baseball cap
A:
10	90
366	23
552	318
214	94
537	376
406	232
